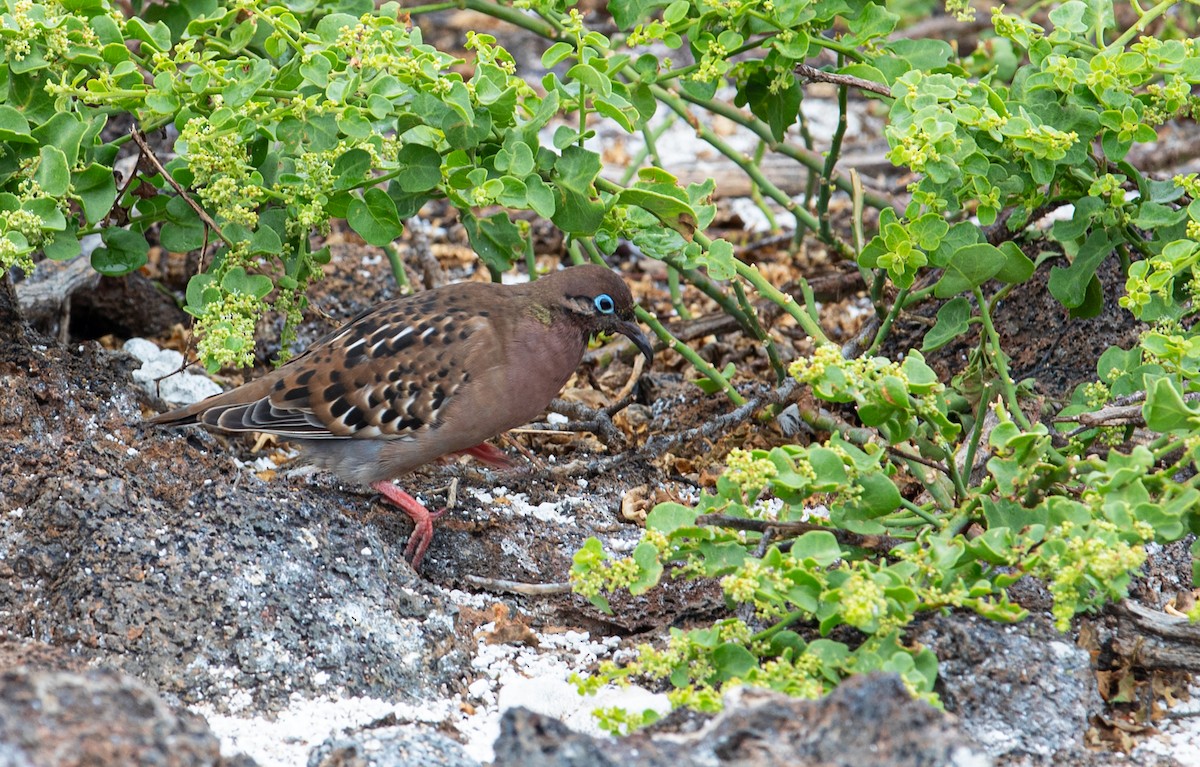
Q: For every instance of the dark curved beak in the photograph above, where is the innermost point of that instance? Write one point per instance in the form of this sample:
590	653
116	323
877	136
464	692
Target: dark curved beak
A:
630	330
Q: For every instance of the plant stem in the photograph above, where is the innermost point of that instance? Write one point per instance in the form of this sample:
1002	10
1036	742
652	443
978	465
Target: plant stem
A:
831	158
417	10
809	159
784	622
690	355
393	257
886	325
676	297
774	294
756	193
991	347
1140	25
763	336
512	16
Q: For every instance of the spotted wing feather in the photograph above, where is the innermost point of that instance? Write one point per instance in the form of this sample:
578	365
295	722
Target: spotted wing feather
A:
387	374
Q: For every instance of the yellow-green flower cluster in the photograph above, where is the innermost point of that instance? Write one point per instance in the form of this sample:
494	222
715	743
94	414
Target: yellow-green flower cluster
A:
1015	28
703	698
1100	557
1108	185
810	369
226	330
750	471
28	224
222	172
758	585
618	721
595	571
799	677
862	601
960	10
13	254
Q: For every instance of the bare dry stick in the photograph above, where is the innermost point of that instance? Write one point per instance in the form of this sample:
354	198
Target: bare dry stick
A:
148	153
517	587
813	74
765	526
1115	414
661	443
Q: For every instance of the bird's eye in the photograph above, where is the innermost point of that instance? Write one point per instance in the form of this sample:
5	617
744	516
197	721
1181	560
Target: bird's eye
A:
604	304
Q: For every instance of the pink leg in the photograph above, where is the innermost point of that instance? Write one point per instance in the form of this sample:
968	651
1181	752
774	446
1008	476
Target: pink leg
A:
422	517
489	454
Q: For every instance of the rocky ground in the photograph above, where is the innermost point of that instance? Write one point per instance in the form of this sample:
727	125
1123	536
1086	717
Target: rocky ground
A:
169	597
173	598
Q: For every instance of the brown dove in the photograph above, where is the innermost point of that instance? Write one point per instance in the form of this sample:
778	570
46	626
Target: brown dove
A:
425	376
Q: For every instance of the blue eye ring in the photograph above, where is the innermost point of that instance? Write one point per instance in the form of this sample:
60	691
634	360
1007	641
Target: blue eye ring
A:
604	304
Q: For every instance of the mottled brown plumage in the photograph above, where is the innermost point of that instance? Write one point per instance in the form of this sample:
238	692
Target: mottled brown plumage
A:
425	376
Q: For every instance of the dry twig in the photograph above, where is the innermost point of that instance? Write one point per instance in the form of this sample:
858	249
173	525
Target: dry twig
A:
775	528
517	587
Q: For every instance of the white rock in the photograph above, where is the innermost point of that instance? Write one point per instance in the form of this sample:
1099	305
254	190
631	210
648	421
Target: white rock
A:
177	388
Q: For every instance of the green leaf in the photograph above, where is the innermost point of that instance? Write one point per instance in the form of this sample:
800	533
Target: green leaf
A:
879	495
182	236
53	174
626	13
718	260
669	517
619	111
1070	285
329	27
952	321
557	54
646	556
732	661
14	128
374	217
927	54
62	247
97	191
236	280
1195	552
65	131
818	545
969	267
959	236
47	210
316	69
351	168
540	196
1152	215
1166	410
201	290
712	386
124	252
247	83
1016	267
668	209
496	239
157	36
422	168
265	242
590	77
1167	523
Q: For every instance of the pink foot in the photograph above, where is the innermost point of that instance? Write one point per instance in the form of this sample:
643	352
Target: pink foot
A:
422	517
489	454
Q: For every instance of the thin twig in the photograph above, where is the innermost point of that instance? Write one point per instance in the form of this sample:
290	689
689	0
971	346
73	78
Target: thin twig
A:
148	153
662	443
1115	414
599	422
813	74
764	526
517	587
